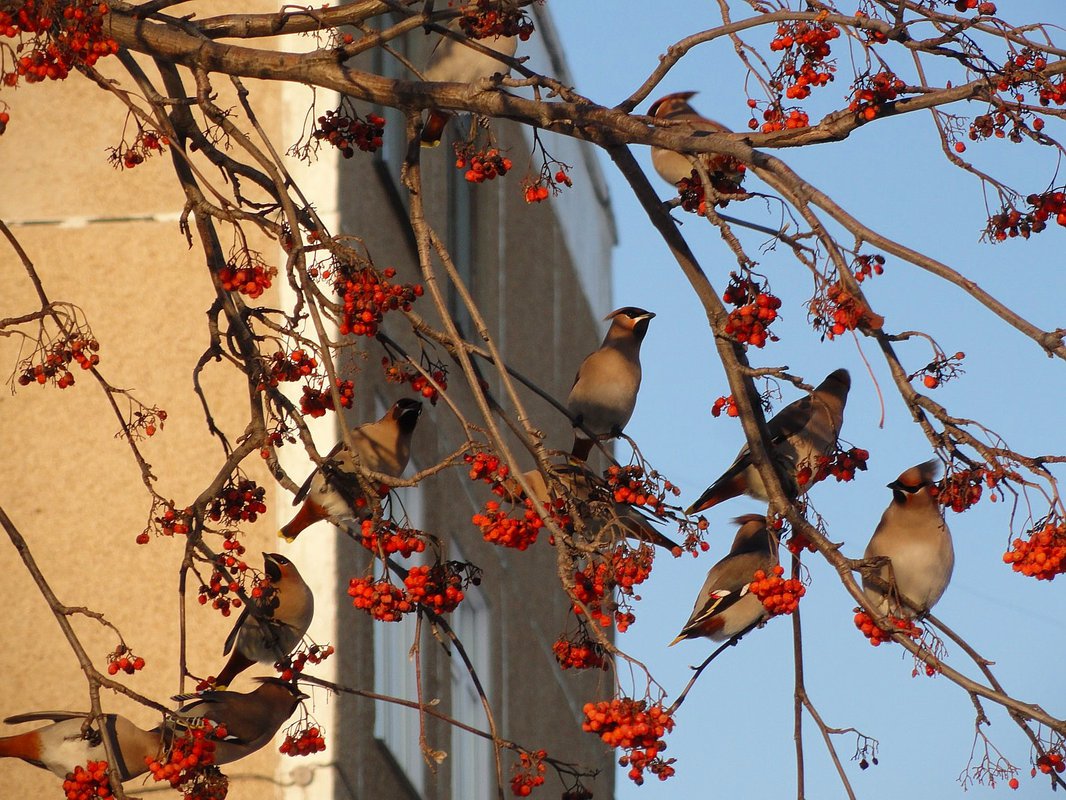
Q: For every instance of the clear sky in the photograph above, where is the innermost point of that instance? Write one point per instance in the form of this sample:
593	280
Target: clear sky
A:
734	734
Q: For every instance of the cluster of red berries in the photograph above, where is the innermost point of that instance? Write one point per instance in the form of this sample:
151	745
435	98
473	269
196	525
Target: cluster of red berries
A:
797	542
726	175
1010	222
380	599
293	366
528	773
868	266
209	784
169	523
385	537
128	156
343	128
982	6
303	741
56	41
218	589
865	623
986	126
535	191
726	404
962	488
1042	556
755	311
295	663
481	165
419	383
635	727
629	485
4	119
809	42
488	468
775	118
484	18
122	658
54	366
189	754
1048	763
872	92
839	311
315	402
498	527
595	585
841	464
778	595
367	294
579	652
238	502
88	783
250	279
577	792
440	587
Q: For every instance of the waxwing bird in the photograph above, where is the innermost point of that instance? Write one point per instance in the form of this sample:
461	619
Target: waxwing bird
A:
284	614
383	446
251	719
800	434
605	388
724	607
454	62
726	172
64	745
913	536
620	519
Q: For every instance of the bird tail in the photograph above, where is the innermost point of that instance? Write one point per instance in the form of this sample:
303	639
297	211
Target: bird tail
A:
26	746
238	663
582	448
725	488
433	130
309	514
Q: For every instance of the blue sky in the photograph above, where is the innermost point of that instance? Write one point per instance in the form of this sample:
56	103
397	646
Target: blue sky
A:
734	733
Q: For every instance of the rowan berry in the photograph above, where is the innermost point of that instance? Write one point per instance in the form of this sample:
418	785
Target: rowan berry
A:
778	595
381	599
481	19
637	728
344	128
528	773
1042	555
302	739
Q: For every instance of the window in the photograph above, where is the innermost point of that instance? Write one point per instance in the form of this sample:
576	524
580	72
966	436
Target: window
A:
473	770
394	672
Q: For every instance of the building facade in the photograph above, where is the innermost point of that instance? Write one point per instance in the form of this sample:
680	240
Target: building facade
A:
109	242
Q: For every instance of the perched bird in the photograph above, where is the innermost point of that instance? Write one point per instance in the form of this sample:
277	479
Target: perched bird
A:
251	718
672	166
913	536
331	490
63	745
801	433
724	607
454	62
284	615
605	388
620	519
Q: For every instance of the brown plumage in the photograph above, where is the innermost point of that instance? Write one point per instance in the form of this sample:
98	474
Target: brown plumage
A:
726	173
61	746
724	606
605	388
800	434
331	491
912	534
454	62
284	616
251	718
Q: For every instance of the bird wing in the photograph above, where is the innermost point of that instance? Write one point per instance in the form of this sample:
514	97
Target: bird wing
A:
726	583
306	487
232	638
38	716
791	419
